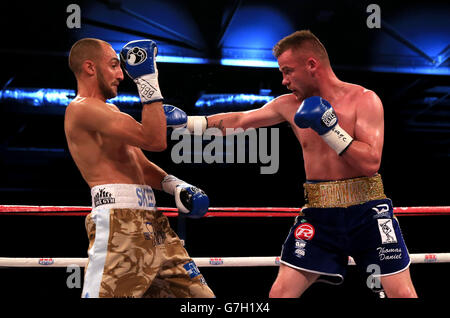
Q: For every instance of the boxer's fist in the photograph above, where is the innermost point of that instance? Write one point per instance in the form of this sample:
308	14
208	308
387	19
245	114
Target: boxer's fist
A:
138	59
175	117
316	113
191	200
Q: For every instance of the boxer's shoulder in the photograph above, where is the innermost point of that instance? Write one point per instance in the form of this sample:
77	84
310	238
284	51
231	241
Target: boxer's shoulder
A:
87	112
113	107
286	105
74	109
358	98
81	102
286	99
360	93
85	104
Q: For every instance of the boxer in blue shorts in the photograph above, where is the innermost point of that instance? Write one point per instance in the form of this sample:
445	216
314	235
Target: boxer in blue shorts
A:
346	218
340	127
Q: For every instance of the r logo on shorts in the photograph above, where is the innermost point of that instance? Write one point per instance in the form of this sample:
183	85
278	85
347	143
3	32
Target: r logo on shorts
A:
304	231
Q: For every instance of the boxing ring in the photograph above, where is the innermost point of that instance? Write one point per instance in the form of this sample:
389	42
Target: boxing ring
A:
213	212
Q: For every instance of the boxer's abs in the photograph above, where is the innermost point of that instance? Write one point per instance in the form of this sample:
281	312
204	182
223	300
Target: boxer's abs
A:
322	163
110	174
108	166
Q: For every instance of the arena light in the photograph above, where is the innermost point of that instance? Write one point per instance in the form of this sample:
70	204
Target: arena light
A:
249	63
38	97
223	61
183	60
212	100
253	58
124	99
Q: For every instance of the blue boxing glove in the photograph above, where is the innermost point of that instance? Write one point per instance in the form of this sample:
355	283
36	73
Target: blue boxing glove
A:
138	58
190	200
177	118
317	113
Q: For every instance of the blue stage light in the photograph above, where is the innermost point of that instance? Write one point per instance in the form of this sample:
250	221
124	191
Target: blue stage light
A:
55	97
38	96
249	63
62	97
183	60
123	99
212	100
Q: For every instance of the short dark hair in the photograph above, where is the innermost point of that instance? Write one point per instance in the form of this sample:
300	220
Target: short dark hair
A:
84	49
301	39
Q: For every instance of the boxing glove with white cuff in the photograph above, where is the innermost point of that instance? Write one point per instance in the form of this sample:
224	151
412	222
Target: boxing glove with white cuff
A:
317	113
177	118
190	200
138	59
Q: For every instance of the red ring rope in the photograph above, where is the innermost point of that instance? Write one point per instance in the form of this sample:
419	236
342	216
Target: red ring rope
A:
212	212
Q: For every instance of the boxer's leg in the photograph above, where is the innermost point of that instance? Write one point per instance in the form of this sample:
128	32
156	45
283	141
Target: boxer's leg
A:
178	276
291	282
378	243
398	285
121	256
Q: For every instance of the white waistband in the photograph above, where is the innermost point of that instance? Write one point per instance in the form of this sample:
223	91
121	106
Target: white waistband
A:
126	196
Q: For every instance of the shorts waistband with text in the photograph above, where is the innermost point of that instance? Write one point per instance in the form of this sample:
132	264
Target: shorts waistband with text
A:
129	196
343	193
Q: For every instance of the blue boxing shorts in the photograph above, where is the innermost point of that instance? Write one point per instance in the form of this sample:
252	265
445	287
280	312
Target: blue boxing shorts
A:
323	237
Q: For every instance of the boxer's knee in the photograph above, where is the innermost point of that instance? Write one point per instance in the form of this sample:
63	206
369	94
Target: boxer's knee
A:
401	291
399	285
277	291
291	282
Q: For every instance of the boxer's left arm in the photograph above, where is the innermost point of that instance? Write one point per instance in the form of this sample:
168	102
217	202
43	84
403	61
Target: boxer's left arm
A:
190	200
265	116
366	149
153	174
268	115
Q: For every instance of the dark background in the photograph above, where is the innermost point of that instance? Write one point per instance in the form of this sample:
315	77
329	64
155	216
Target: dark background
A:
36	168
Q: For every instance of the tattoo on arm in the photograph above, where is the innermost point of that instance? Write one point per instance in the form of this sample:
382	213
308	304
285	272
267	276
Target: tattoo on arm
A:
219	125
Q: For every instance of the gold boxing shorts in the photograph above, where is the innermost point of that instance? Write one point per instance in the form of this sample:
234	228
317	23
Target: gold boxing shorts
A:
133	251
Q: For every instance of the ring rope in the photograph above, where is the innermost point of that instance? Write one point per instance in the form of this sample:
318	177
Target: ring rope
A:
212	211
421	258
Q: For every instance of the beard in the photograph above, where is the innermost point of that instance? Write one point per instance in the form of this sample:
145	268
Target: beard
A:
106	90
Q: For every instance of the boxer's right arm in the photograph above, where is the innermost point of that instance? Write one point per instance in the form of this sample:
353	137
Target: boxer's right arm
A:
95	116
138	59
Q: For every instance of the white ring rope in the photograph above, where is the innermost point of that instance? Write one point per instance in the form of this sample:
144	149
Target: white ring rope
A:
422	258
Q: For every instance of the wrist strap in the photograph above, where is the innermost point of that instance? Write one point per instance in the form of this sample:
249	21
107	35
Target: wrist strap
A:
148	88
169	183
338	139
197	124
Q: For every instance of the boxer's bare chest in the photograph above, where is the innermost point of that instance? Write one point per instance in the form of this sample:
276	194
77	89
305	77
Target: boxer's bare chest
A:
320	161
